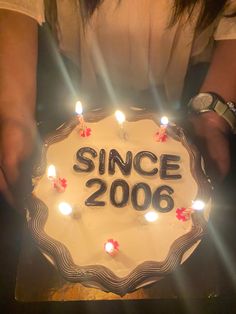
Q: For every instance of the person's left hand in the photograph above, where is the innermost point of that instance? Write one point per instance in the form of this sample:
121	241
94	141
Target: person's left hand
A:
211	134
17	143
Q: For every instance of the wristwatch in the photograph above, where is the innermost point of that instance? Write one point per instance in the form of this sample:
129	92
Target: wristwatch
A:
205	102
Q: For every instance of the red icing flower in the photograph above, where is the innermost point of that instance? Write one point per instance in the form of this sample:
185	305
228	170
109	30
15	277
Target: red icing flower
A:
60	184
111	247
161	135
85	132
183	214
63	182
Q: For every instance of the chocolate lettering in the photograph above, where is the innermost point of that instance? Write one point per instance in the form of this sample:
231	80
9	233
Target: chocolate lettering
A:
102	158
159	198
91	200
85	160
125	193
167	165
147	196
137	163
115	158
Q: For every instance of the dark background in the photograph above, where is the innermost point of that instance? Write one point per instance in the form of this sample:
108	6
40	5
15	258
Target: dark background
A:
212	266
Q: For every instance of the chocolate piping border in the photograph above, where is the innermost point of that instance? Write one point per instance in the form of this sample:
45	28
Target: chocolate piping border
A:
99	276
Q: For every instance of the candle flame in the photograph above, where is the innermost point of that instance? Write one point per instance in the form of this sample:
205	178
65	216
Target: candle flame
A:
51	172
109	247
151	216
79	108
120	117
65	208
198	205
164	120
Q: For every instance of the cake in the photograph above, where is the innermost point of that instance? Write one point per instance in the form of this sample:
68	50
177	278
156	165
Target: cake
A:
122	209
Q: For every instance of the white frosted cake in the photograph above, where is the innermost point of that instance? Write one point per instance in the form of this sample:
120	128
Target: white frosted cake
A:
122	209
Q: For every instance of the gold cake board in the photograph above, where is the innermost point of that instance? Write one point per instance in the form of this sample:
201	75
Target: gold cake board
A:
38	281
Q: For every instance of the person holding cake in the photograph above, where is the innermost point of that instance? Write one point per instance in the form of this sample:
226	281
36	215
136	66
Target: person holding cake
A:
134	52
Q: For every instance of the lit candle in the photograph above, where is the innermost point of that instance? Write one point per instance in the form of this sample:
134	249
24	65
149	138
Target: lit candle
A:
161	135
65	208
83	130
164	120
79	112
120	117
111	247
151	216
52	173
59	184
184	214
198	205
78	108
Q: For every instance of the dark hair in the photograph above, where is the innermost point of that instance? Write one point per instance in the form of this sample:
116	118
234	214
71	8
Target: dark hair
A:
210	9
89	6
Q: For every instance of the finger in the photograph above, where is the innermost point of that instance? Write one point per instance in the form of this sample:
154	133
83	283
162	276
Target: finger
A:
10	168
4	190
216	155
221	158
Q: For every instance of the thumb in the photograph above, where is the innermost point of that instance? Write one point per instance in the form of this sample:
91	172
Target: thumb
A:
10	168
215	151
4	189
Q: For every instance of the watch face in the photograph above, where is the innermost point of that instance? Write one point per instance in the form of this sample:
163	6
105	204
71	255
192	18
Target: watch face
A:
202	102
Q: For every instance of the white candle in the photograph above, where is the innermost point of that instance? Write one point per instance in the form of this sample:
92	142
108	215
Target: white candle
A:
164	120
52	175
58	183
79	108
120	117
65	208
111	247
198	205
151	216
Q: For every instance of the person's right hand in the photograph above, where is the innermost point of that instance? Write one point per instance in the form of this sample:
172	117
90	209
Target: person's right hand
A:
17	140
211	134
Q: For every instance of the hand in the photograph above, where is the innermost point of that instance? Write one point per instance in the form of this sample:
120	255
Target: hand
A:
17	138
211	133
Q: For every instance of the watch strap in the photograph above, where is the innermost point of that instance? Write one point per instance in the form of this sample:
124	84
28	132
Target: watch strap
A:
223	109
227	110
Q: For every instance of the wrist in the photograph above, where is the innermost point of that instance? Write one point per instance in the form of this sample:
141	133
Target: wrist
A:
10	112
209	121
209	102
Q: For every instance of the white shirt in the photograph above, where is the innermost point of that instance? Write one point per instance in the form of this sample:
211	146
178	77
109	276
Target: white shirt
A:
128	46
